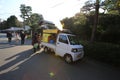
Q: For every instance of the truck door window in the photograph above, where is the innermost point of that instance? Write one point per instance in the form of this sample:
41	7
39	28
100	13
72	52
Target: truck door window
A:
63	39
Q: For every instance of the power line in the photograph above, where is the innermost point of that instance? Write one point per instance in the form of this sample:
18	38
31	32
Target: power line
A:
57	5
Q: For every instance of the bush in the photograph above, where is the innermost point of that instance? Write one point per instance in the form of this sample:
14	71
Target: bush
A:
105	52
29	37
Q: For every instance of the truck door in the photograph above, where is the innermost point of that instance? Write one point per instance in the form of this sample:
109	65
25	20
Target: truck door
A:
62	45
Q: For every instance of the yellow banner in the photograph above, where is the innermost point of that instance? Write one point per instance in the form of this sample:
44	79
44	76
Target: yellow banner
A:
45	37
50	31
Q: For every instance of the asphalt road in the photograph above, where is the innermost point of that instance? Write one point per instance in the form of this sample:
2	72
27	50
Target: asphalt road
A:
18	62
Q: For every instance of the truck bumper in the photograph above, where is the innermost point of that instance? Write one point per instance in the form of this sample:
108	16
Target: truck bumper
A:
78	55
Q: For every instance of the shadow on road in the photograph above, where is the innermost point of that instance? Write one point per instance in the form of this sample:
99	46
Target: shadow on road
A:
27	59
18	58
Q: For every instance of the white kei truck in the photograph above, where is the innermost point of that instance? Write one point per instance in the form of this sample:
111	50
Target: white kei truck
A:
62	44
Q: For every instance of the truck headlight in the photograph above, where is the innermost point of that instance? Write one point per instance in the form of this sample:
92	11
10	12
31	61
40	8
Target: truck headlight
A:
76	50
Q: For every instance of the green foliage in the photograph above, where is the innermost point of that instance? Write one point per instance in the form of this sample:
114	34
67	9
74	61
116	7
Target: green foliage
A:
107	29
12	21
78	25
110	28
3	25
89	5
105	52
35	19
25	10
68	23
31	19
112	6
25	13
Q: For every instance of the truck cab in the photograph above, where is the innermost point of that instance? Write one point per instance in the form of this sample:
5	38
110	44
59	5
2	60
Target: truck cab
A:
68	46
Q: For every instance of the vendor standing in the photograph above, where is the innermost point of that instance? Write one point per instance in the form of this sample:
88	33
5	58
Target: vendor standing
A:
36	40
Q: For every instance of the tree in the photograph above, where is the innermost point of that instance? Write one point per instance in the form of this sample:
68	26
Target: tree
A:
112	6
109	29
35	20
89	6
96	21
26	13
12	21
3	25
78	25
68	23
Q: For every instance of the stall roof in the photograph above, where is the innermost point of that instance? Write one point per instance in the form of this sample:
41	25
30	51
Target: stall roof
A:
14	29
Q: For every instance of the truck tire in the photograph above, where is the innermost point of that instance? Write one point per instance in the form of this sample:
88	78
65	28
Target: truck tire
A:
68	58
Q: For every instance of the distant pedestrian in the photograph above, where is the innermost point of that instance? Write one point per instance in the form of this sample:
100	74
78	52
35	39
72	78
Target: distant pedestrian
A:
17	37
22	35
9	36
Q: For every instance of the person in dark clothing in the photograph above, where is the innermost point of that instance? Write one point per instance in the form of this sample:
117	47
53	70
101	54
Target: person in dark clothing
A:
9	36
22	35
36	39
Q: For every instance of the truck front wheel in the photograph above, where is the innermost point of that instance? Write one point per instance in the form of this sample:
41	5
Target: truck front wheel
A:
68	58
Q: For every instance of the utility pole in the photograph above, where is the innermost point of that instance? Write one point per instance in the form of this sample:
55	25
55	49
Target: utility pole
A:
95	21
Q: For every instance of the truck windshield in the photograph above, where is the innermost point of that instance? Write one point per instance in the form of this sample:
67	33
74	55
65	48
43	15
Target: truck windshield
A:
73	40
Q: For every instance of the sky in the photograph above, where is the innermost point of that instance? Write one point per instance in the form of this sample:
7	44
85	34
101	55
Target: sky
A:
52	10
